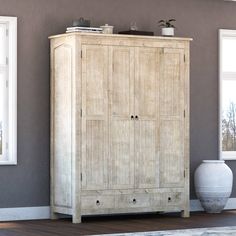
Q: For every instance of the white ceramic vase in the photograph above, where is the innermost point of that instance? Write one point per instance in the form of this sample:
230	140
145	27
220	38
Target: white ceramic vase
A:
168	31
213	184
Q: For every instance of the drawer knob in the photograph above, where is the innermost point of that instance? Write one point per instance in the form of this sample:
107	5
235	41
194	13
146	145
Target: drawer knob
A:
169	199
134	201
98	203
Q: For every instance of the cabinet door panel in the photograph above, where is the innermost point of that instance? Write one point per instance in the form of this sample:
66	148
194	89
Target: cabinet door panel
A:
121	107
172	83
146	174
172	118
171	146
146	126
121	154
95	117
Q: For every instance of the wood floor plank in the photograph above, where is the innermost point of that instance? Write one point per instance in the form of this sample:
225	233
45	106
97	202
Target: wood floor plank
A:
116	224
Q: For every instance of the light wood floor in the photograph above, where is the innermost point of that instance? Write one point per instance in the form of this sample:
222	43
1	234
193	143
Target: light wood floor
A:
116	224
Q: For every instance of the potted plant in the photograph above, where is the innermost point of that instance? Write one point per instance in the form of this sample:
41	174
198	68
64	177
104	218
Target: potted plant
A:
167	27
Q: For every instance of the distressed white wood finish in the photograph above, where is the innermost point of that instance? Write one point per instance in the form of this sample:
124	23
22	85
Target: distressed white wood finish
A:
69	164
119	124
94	117
172	112
147	67
62	127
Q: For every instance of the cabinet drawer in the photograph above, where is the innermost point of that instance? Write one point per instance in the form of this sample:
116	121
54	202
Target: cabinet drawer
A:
97	202
138	200
173	198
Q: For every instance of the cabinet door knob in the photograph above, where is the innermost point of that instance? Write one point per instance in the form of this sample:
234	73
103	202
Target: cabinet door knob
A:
98	203
136	117
134	201
132	117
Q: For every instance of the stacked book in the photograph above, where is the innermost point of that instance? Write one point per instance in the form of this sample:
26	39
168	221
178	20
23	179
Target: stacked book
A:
84	29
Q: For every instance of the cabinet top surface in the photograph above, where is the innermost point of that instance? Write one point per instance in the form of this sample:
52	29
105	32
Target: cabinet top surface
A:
119	36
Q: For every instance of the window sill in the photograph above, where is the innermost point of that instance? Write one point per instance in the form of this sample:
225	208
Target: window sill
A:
228	156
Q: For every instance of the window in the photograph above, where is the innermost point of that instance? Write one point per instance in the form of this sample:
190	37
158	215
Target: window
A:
8	95
227	87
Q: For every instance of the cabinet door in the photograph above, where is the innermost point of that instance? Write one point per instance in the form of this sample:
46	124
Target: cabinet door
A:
172	118
121	108
146	124
94	117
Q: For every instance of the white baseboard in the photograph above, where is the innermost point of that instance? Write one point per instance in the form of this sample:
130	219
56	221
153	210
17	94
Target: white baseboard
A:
24	213
39	213
195	205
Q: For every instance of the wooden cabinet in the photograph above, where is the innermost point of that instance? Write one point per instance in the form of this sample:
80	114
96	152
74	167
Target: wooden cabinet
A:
119	124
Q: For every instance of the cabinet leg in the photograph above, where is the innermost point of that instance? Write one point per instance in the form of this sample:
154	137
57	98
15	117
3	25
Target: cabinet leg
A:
185	214
54	216
76	219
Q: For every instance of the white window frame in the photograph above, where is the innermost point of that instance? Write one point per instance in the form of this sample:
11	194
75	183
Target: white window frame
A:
223	33
11	156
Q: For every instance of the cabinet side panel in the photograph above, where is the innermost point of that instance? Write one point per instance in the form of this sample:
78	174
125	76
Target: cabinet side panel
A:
186	129
62	130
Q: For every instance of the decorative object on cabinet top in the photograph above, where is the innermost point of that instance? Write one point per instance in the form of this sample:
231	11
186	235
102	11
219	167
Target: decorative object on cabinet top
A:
81	22
134	30
167	27
84	29
82	25
107	29
137	32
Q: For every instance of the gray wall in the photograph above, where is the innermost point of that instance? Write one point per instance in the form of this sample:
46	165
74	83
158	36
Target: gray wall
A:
27	184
